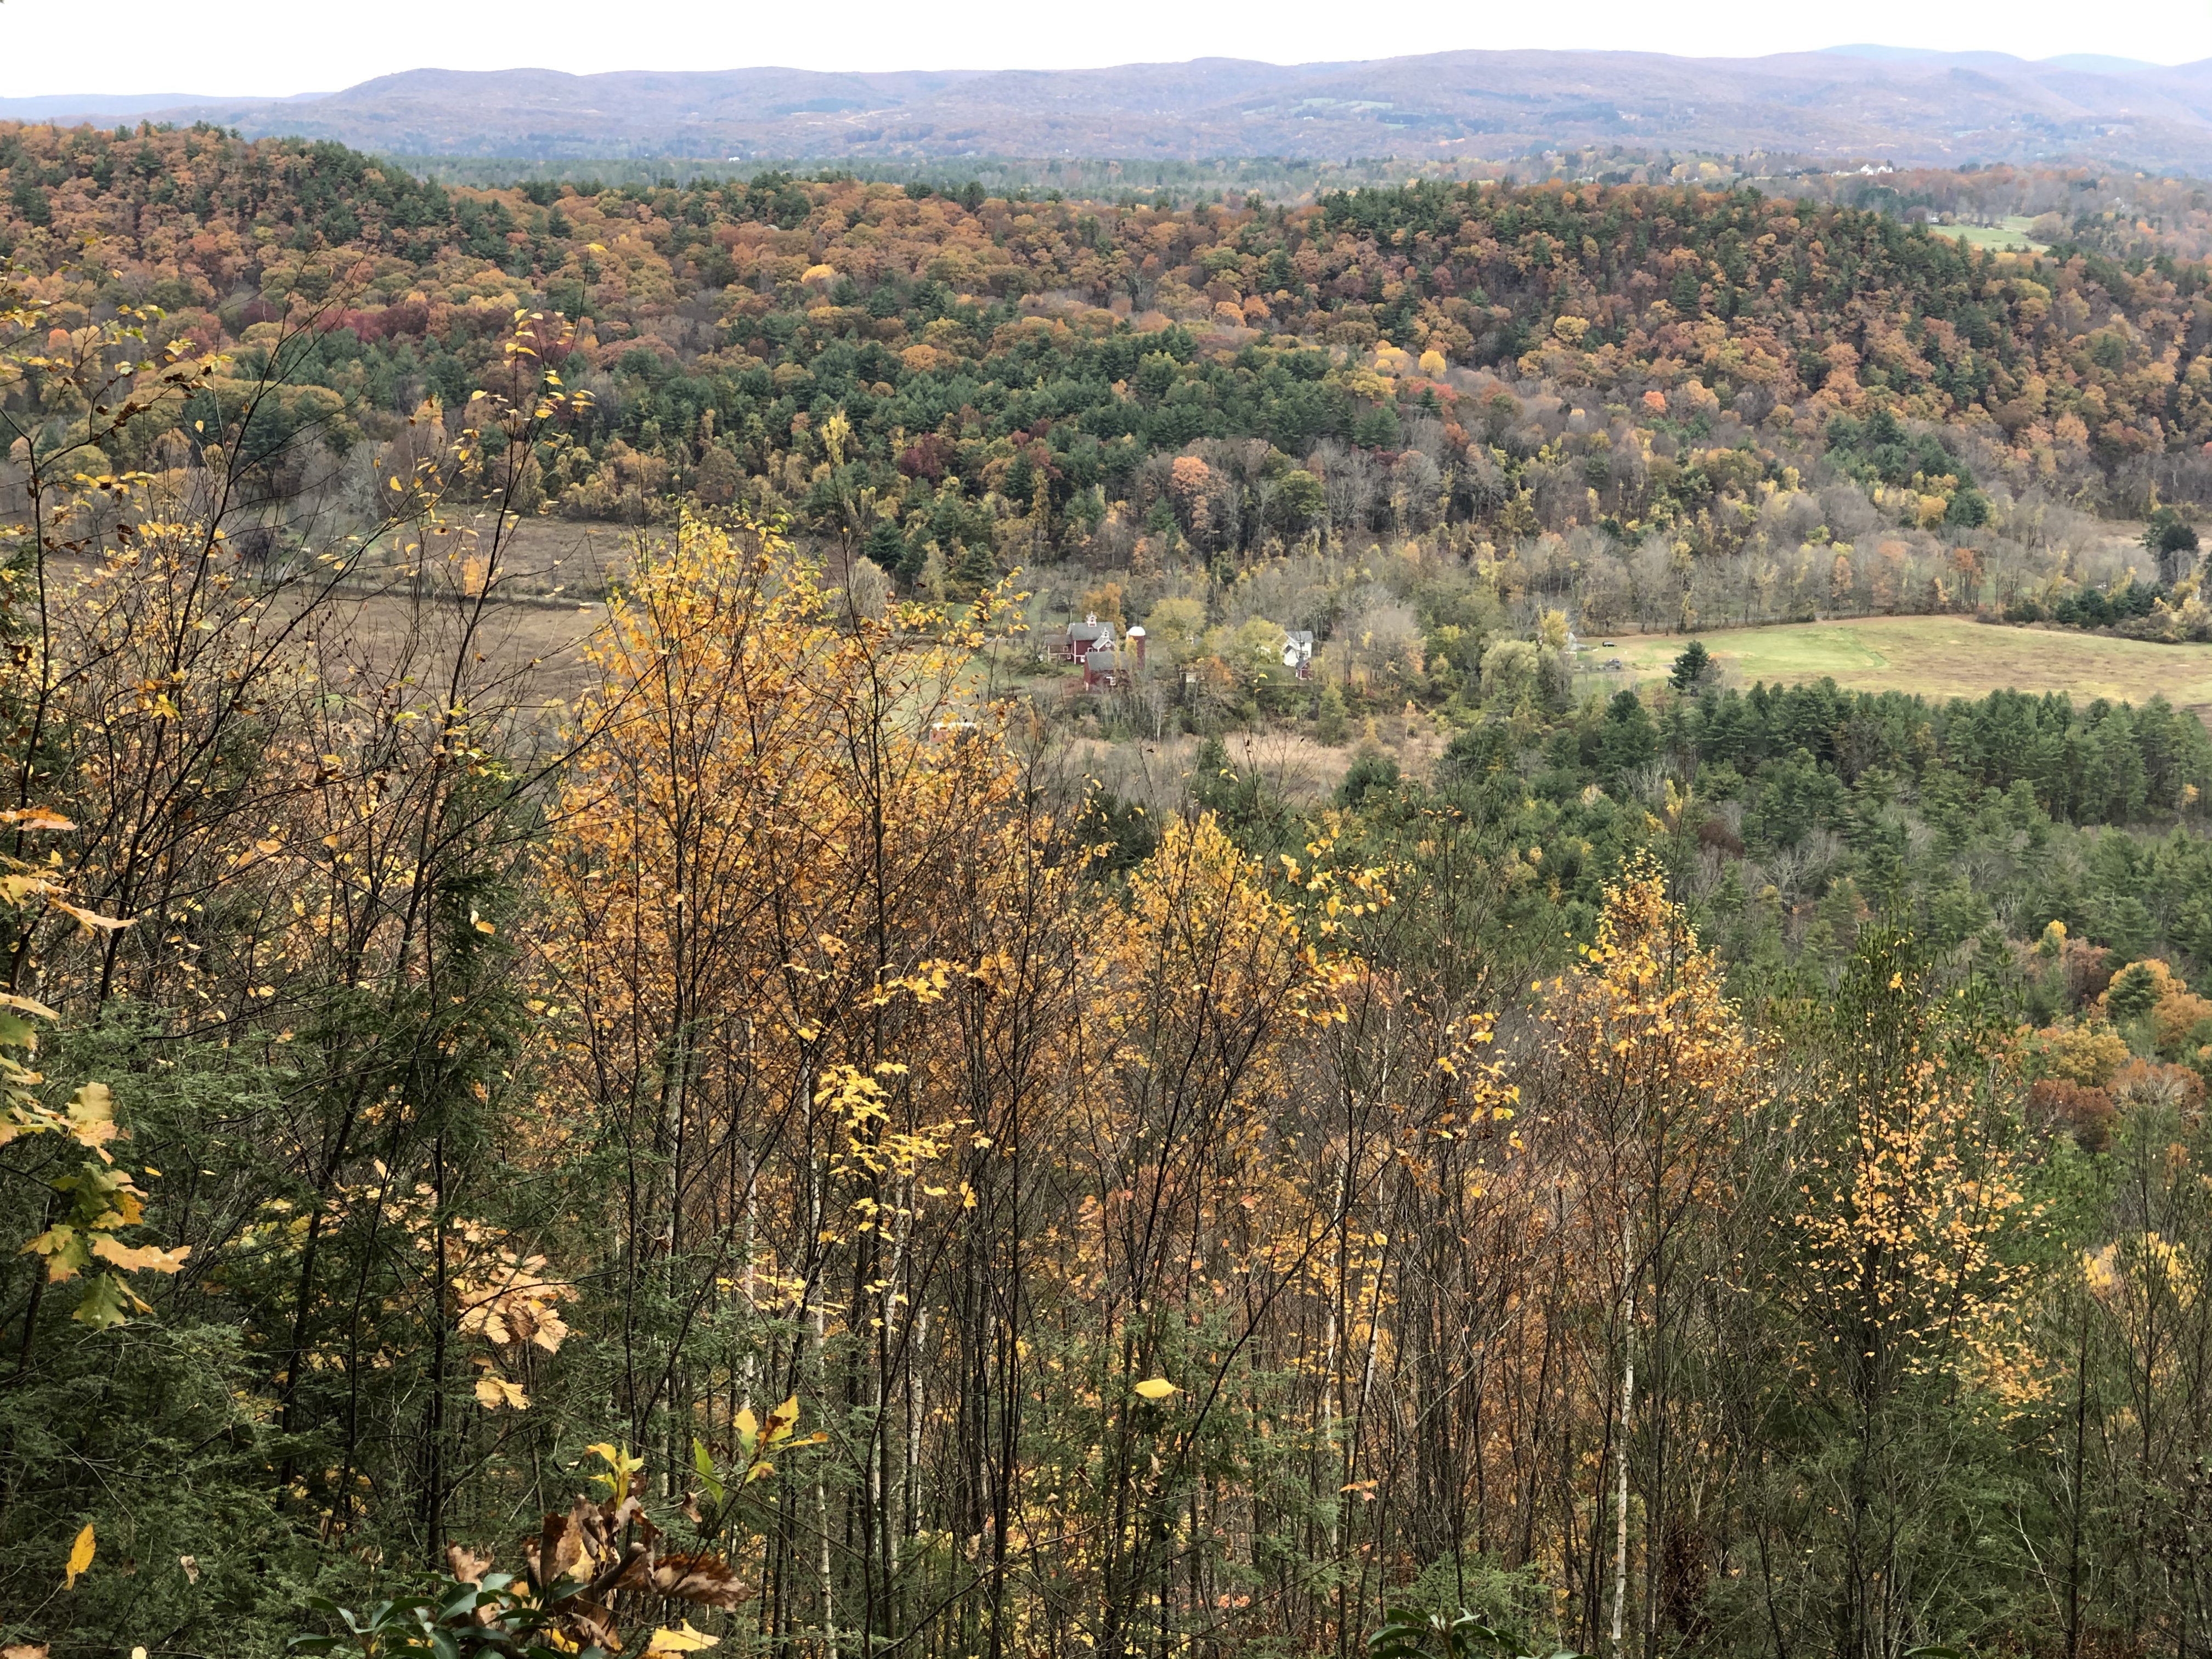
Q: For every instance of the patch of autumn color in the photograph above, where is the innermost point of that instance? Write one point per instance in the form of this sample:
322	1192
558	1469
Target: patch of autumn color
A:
1652	1054
2084	1055
2087	1114
97	1200
1653	1076
723	826
501	1296
2176	1017
772	897
2140	1281
2147	1083
1185	998
1911	1229
1189	477
507	1301
2136	988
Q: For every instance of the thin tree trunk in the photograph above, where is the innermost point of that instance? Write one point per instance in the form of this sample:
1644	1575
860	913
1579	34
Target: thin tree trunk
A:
1620	1500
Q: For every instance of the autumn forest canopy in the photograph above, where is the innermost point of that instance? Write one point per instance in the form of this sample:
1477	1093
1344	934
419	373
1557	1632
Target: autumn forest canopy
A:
835	919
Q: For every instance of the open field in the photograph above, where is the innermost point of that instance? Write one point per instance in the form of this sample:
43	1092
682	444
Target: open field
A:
1939	657
1157	773
2012	234
540	645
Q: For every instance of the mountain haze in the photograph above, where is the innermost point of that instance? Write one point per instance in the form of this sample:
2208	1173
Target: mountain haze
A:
1859	101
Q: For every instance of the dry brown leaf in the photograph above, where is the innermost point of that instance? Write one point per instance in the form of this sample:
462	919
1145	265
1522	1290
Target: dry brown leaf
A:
466	1565
704	1578
554	1553
587	1621
594	1529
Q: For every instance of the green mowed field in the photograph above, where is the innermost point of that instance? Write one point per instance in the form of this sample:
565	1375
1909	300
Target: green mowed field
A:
1938	657
2012	234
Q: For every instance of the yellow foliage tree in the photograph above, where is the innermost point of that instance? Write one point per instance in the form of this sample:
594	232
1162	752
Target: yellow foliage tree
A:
1654	1074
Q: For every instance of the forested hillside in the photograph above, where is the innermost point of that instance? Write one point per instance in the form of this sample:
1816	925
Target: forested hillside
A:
814	1122
1628	393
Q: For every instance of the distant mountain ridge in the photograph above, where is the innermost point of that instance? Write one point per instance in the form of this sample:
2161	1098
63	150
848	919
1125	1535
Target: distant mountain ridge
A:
101	106
1906	105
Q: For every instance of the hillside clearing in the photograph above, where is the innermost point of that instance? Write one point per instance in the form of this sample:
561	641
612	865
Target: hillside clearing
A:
1941	657
2011	233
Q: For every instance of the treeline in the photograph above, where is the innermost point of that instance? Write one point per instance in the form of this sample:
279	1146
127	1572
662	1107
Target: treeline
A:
1165	182
1664	395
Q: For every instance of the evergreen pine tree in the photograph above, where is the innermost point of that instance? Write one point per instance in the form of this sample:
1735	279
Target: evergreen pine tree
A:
1691	667
974	569
1331	723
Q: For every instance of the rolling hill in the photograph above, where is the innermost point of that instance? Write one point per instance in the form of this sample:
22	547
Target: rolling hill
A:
1935	108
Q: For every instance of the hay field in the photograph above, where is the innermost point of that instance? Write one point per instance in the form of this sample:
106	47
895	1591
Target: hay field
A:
1938	657
2011	233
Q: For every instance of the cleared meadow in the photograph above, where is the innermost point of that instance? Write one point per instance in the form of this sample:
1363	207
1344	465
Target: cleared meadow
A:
1938	657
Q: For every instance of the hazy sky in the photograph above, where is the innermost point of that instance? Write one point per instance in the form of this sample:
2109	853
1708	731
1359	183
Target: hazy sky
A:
239	47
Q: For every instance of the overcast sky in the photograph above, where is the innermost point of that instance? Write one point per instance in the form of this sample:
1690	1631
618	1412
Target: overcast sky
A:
278	47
